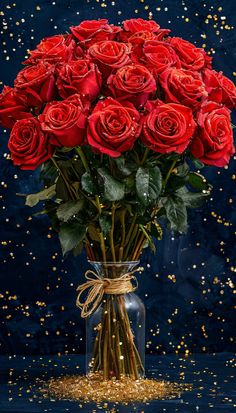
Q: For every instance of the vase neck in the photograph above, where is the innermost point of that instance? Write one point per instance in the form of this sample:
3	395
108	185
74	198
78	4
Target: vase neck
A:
113	269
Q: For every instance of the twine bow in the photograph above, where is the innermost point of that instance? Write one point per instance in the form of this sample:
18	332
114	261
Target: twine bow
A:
97	287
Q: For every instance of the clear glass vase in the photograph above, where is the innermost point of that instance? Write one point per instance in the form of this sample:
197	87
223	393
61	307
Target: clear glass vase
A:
115	332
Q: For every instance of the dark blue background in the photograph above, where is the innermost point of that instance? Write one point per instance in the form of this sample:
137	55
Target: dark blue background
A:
188	286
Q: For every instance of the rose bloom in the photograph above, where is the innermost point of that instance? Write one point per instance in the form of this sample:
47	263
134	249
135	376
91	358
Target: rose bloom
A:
137	25
191	57
134	83
12	107
167	127
113	127
64	122
28	145
213	143
183	86
158	56
80	76
220	88
92	31
53	49
109	55
37	83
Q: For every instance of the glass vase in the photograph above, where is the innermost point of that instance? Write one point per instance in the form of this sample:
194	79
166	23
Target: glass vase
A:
115	332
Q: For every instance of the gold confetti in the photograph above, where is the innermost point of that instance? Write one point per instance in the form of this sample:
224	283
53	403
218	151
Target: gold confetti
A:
93	388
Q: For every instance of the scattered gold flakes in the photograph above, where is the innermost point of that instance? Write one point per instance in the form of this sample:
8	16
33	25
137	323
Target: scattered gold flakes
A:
93	388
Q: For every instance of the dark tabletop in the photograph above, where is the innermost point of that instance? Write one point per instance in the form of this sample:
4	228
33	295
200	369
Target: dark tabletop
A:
212	378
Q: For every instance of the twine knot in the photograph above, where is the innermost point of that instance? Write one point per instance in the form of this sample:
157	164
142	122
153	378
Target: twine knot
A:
97	287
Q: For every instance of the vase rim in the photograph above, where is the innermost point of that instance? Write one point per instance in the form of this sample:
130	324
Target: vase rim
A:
113	263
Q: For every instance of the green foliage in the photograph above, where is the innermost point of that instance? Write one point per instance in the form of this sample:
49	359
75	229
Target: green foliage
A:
114	190
88	184
71	235
69	209
34	199
105	223
148	184
176	213
141	186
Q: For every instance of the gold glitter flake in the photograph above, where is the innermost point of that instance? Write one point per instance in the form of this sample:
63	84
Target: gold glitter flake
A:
93	388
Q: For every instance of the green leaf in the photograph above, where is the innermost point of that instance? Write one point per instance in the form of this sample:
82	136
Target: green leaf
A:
148	184
105	223
176	213
47	193
148	238
198	182
113	190
123	166
70	235
78	249
62	190
67	210
192	199
88	184
182	169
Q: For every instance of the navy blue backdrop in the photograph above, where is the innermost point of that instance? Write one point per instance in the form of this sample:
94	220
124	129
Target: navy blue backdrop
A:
188	286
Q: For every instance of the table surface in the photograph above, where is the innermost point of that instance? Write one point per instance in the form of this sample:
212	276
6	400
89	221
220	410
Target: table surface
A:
213	379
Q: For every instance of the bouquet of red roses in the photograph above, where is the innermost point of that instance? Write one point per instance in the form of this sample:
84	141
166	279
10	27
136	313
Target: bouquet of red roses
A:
119	118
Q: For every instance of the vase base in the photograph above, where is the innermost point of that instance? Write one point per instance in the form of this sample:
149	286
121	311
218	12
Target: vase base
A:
93	388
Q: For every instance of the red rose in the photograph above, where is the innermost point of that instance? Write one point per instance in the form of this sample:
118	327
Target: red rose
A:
37	83
91	31
158	56
110	55
137	25
134	83
167	127
133	26
220	88
12	107
52	49
28	145
64	122
113	127
191	57
79	76
183	86
213	143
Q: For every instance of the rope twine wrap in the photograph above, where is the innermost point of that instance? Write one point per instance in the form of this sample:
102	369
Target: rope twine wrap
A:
97	287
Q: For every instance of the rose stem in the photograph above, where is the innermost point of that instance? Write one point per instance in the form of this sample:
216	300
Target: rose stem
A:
87	169
127	334
122	220
145	156
70	190
112	232
130	229
113	338
134	234
168	175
